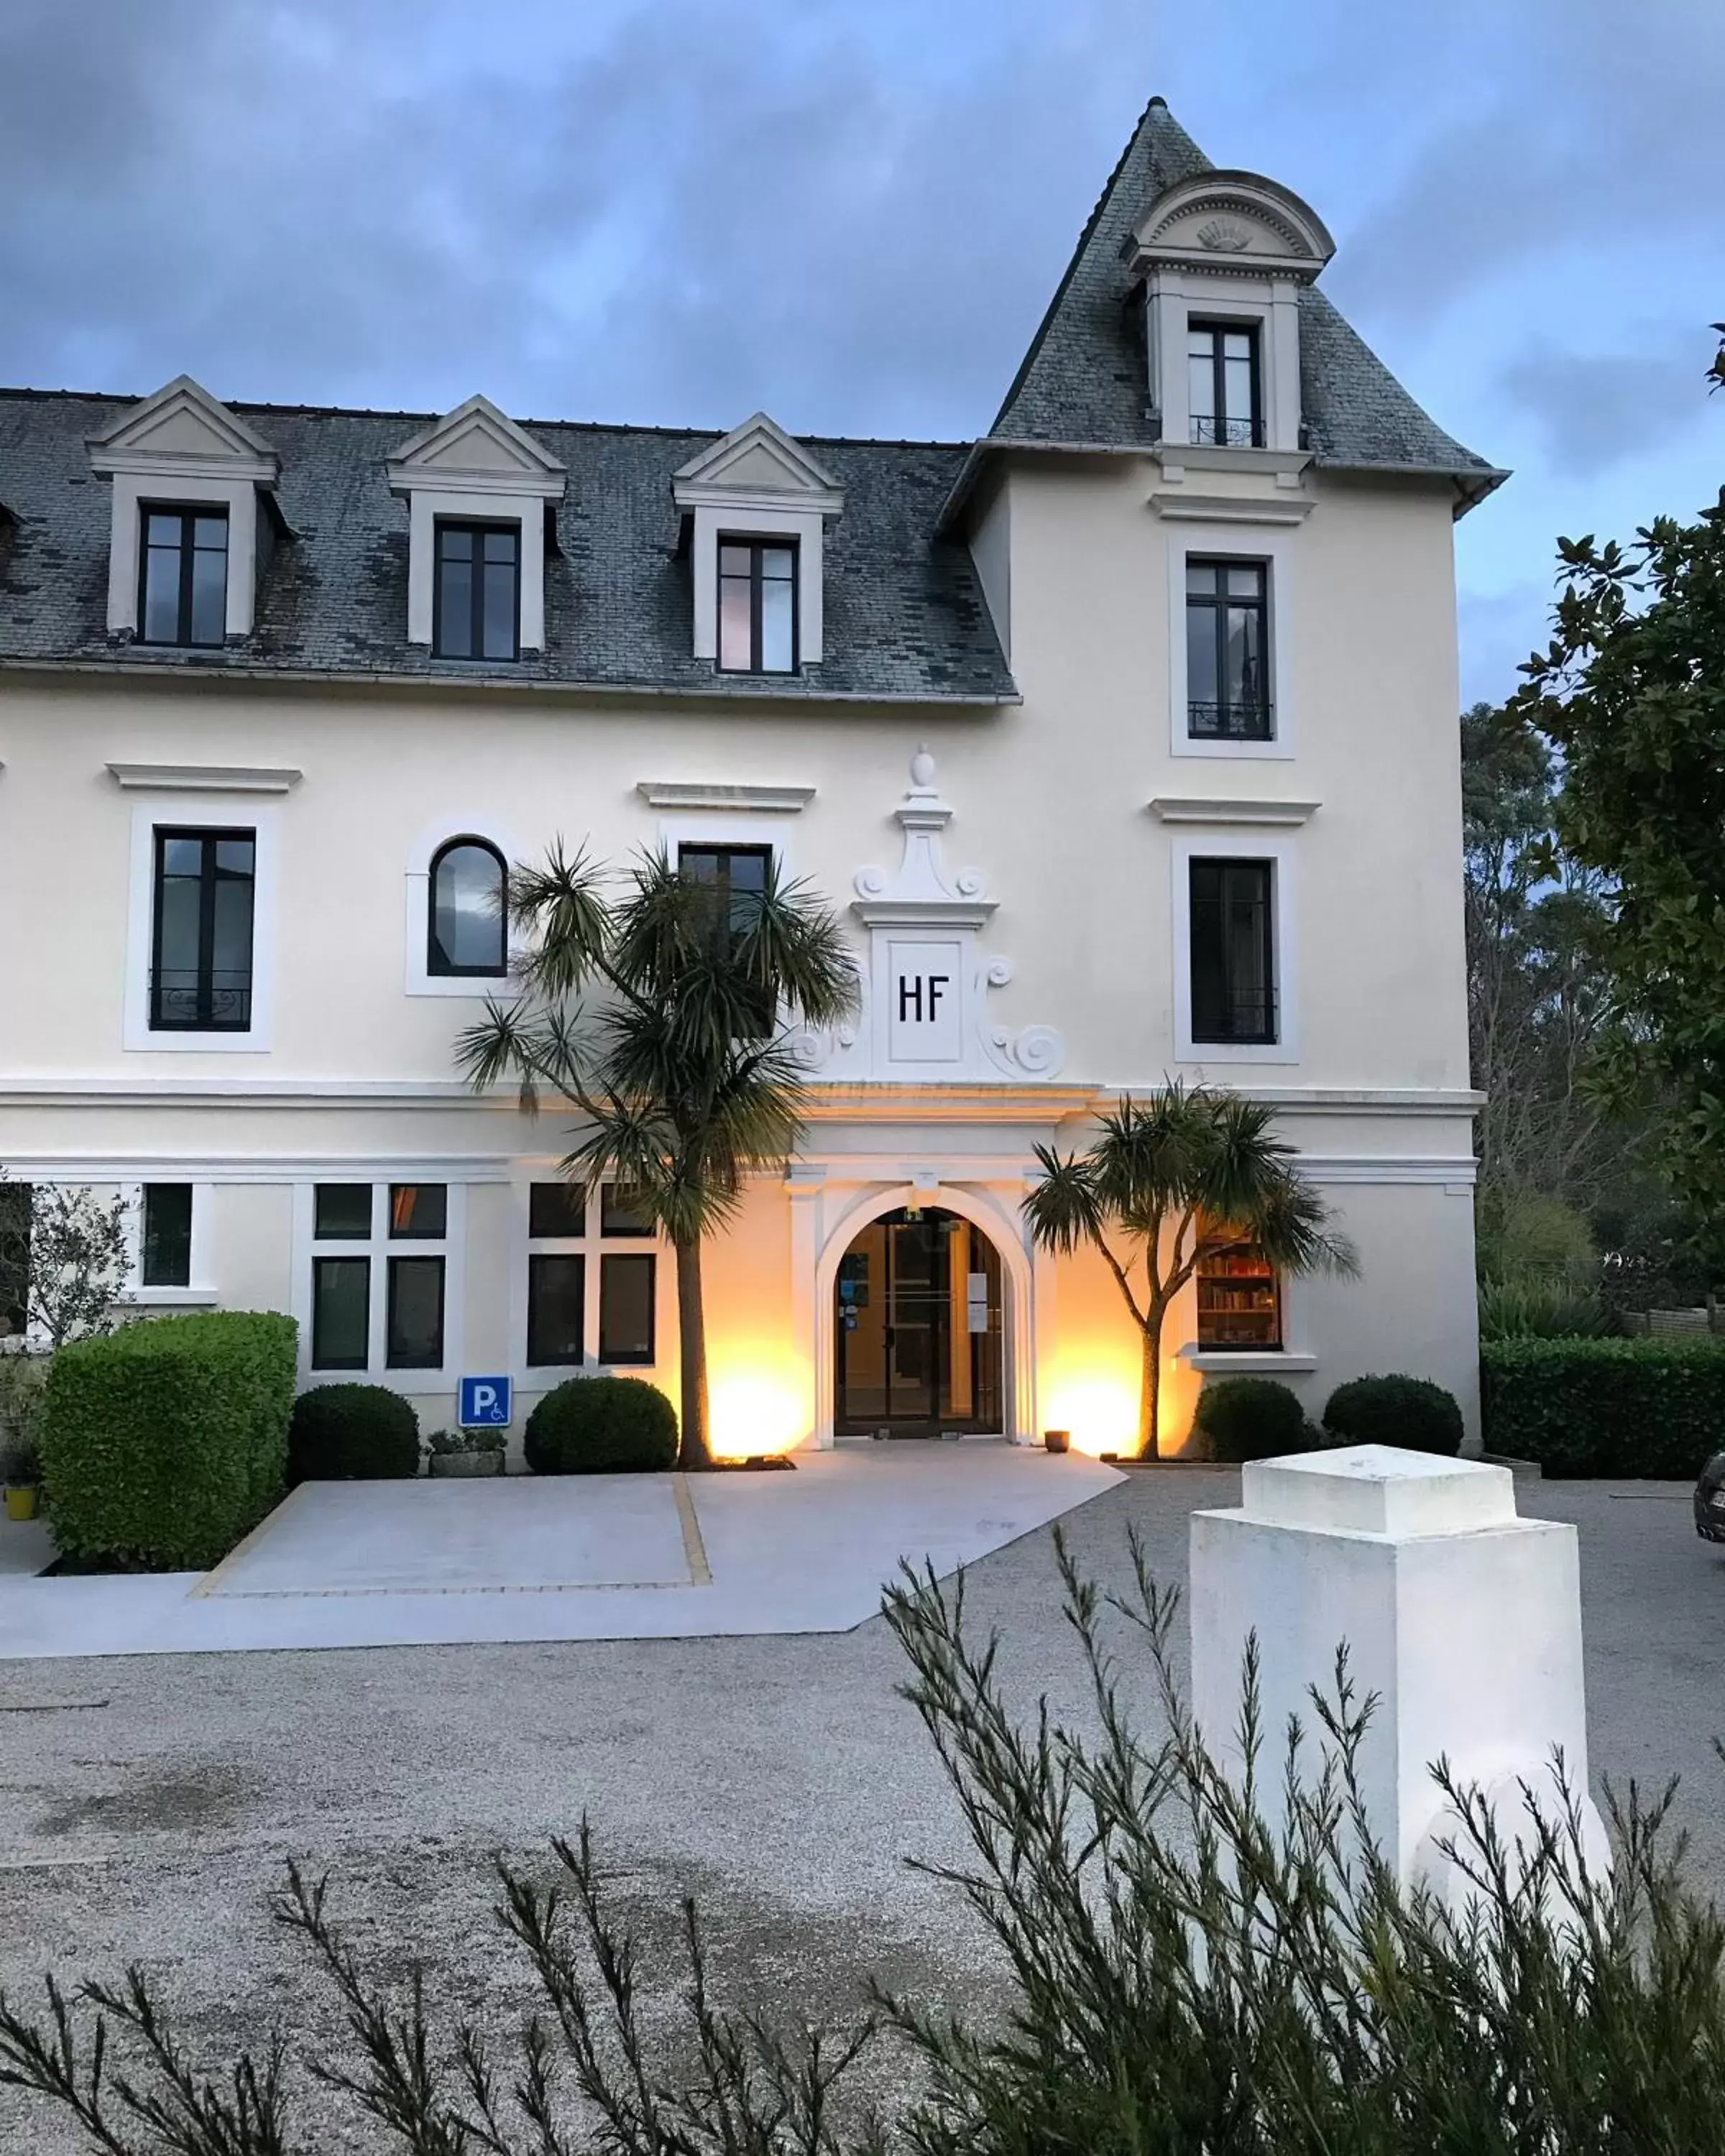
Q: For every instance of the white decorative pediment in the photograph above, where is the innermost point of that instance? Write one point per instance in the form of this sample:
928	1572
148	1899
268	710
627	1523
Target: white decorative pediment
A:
758	460
924	1018
476	446
1229	222
182	427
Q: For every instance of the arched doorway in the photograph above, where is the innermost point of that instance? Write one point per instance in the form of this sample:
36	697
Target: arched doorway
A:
918	1329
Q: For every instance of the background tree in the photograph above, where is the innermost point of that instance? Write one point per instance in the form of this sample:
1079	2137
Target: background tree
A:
668	1013
1632	690
1163	1182
64	1259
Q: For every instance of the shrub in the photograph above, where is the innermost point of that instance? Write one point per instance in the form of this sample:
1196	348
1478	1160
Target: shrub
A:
1530	1231
1411	1412
1541	1309
352	1434
163	1444
1193	1958
442	1443
1606	1407
602	1426
1249	1419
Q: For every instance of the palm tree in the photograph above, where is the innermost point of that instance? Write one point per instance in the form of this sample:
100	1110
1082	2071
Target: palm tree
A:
666	1014
1174	1178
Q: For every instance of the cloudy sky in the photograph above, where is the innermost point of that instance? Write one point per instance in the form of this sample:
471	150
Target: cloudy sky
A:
853	212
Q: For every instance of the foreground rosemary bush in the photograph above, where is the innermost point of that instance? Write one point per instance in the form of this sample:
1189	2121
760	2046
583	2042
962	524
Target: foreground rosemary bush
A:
1197	1967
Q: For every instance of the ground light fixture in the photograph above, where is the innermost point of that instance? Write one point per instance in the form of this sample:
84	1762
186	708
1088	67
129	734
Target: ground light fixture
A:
1058	1441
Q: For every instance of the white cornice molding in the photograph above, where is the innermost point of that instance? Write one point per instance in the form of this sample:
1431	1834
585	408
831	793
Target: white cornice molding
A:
1181	507
234	451
1210	808
202	779
1177	459
766	800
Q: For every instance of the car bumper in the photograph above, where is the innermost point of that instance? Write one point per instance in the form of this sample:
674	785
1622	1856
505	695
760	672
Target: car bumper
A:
1709	1525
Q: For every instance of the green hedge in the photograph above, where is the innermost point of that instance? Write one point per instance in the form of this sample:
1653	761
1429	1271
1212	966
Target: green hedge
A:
1411	1413
352	1433
1606	1407
602	1426
164	1443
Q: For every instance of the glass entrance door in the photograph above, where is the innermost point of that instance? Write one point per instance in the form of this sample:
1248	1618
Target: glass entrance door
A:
917	1322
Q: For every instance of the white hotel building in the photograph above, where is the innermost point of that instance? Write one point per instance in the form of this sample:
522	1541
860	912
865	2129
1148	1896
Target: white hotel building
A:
1124	736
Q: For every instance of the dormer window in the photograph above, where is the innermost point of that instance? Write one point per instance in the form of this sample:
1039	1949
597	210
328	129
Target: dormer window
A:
757	506
184	594
1224	392
192	518
758	606
477	611
479	489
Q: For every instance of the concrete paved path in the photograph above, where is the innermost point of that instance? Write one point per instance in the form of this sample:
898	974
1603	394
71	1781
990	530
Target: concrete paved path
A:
434	1563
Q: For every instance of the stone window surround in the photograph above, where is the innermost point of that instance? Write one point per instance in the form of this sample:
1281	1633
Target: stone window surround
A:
195	1295
1217	542
1269	304
143	481
198	811
491	499
379	1247
1246	843
418	979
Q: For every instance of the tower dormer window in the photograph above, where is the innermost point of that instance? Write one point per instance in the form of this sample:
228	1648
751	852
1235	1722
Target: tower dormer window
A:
184	597
1225	389
758	606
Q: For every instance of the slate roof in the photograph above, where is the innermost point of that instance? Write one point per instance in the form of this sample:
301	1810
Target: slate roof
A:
1083	380
905	614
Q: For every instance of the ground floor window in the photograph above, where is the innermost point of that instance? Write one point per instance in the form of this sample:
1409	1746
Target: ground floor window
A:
375	1305
1239	1298
573	1230
14	1258
164	1239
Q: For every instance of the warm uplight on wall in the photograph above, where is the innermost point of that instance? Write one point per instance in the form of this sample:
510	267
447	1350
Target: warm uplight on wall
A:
1100	1409
762	1403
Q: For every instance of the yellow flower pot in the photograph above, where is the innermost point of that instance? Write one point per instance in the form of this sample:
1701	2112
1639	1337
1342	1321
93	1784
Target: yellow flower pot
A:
20	1501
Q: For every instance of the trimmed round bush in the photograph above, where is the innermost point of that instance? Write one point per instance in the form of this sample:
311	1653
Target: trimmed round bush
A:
602	1426
1251	1419
1411	1412
352	1434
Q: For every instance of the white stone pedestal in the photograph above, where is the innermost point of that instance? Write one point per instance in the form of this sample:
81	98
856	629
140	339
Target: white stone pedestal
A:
1464	1620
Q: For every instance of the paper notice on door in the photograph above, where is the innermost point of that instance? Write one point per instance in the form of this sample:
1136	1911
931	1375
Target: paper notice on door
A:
976	1287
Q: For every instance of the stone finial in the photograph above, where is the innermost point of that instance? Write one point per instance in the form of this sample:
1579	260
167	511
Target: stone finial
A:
923	768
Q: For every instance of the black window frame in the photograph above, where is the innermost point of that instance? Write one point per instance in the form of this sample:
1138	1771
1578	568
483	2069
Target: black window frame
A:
1218	1005
18	1207
153	1269
537	1263
438	964
476	528
396	1263
561	1195
321	1260
759	546
189	513
204	1020
610	1261
1257	718
723	853
1216	328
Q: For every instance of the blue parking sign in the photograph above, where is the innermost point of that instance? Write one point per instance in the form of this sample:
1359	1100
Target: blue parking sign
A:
485	1402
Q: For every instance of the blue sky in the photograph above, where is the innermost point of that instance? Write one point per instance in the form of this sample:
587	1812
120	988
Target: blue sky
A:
853	212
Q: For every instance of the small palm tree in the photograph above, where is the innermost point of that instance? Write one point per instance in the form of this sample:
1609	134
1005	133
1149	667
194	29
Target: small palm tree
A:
1173	1178
666	1014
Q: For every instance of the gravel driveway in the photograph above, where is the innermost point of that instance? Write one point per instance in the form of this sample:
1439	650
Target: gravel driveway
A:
151	1802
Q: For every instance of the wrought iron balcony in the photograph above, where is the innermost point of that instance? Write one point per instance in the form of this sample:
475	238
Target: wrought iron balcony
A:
1210	431
190	999
1222	1015
1247	719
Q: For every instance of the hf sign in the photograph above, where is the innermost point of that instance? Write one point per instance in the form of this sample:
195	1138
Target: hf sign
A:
925	1001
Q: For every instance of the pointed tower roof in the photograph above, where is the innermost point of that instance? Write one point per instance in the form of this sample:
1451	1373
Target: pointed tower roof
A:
1084	383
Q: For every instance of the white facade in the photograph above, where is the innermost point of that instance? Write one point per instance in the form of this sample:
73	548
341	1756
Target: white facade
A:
1028	848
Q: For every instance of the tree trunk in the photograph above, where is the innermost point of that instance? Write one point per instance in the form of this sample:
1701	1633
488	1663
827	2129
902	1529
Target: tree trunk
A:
1150	1389
695	1450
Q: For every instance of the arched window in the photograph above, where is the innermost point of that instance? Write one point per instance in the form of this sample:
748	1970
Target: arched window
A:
468	926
